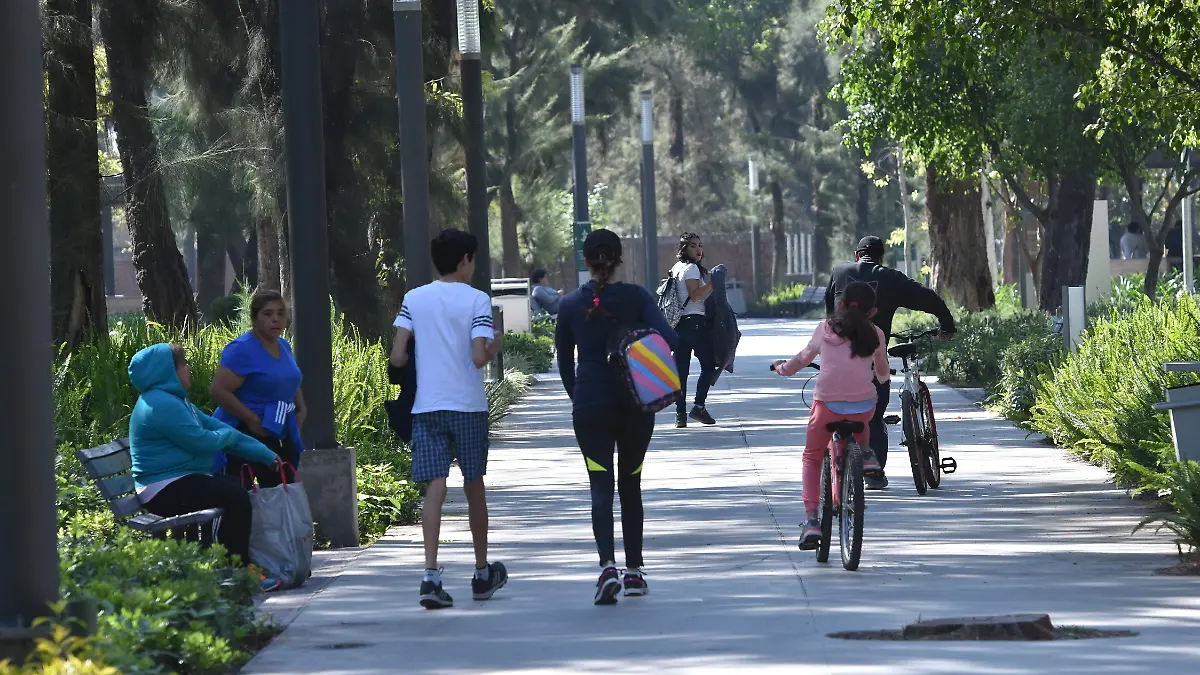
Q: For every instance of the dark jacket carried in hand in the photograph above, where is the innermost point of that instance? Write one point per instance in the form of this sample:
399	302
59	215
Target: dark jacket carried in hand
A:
725	333
893	289
400	411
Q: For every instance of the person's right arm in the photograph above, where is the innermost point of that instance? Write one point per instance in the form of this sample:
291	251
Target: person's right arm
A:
486	340
229	378
564	345
203	435
912	295
806	355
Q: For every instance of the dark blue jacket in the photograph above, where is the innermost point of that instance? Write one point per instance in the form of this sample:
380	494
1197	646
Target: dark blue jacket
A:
591	385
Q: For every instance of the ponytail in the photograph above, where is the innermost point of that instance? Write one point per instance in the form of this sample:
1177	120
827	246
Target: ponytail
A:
852	320
602	273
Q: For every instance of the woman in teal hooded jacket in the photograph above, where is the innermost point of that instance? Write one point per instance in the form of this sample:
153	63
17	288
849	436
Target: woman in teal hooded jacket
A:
173	445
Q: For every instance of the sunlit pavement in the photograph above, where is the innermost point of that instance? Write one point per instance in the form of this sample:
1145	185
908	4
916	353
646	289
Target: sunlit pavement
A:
1021	527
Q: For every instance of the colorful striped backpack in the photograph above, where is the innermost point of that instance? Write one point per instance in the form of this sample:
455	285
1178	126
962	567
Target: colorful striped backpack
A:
641	361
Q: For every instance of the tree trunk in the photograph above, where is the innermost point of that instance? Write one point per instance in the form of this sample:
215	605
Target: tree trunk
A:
862	207
127	27
267	236
1068	236
210	268
677	201
958	254
510	216
76	260
243	255
779	234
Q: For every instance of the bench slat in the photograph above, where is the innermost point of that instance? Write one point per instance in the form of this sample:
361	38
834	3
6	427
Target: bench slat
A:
107	460
116	486
148	522
123	507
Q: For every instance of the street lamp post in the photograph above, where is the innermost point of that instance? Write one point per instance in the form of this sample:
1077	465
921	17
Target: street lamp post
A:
1191	159
649	197
755	235
583	225
476	154
304	150
414	157
28	527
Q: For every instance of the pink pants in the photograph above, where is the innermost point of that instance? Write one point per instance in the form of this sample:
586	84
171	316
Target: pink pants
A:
816	443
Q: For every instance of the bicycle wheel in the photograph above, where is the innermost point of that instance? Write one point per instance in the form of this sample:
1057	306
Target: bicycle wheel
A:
826	513
932	456
853	507
908	412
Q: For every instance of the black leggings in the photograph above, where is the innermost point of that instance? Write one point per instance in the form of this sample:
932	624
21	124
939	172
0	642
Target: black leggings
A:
198	491
598	434
266	477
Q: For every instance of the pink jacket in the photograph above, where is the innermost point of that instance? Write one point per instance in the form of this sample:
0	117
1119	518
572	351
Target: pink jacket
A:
843	377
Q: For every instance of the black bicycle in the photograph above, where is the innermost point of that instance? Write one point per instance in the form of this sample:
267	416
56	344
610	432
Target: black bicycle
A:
916	415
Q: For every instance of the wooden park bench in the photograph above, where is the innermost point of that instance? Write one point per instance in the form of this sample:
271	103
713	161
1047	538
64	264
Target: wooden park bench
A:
109	467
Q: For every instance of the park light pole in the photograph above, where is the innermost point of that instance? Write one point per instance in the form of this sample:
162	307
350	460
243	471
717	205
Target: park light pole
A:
755	235
29	524
304	150
649	197
1190	160
583	225
472	94
414	152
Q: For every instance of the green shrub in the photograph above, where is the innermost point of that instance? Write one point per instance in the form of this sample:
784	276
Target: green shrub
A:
973	358
165	606
534	353
542	325
384	499
774	304
1182	488
1021	364
1098	401
225	309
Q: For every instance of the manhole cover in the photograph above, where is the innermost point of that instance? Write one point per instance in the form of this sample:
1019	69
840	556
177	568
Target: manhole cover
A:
345	645
1010	627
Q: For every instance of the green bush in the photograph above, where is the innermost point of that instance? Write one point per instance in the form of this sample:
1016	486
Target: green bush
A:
1181	484
774	304
1098	401
528	352
973	358
1021	364
383	500
165	606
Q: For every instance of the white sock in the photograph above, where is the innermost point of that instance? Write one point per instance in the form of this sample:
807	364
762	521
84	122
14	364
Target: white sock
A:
433	575
483	573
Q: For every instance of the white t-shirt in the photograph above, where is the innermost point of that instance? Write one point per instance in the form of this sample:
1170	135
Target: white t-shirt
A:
682	271
444	318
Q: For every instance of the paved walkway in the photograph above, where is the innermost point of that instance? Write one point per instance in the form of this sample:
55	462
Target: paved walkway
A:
1022	527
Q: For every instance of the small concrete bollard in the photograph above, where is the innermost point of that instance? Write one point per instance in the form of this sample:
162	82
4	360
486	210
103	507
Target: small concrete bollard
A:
1074	311
331	483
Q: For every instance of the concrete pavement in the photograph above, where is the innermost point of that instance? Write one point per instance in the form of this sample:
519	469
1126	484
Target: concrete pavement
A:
1022	527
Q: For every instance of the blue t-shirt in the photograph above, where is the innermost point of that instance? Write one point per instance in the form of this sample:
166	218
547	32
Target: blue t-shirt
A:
267	381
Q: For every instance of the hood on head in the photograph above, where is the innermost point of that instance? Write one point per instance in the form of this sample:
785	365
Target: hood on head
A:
154	368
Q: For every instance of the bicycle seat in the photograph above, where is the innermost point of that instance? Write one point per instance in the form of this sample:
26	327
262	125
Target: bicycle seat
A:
846	428
904	351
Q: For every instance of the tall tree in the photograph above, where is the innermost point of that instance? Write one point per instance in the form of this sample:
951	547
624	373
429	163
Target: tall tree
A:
959	250
129	29
72	152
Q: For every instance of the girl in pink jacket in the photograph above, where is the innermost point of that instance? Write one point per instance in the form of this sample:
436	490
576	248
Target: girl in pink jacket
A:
853	355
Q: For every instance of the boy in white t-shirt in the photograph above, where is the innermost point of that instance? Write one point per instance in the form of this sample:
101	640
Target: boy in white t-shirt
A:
452	324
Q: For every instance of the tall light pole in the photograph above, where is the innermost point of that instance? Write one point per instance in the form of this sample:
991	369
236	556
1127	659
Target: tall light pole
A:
649	198
1191	160
414	152
472	94
304	150
28	528
583	224
755	235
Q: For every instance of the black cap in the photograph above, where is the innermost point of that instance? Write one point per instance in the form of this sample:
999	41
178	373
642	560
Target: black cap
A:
871	247
602	242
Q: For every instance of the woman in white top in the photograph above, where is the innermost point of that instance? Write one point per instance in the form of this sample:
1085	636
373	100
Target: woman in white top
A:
695	331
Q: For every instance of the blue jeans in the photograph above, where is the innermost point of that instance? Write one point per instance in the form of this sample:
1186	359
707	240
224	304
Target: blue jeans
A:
695	335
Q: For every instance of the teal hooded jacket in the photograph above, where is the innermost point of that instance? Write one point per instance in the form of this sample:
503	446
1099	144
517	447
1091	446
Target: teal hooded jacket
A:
170	437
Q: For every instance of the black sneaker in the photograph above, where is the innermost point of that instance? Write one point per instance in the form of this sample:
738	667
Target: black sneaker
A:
681	421
635	583
700	414
875	481
433	596
608	587
484	589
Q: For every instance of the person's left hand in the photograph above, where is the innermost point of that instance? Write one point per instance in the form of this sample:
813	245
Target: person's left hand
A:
562	291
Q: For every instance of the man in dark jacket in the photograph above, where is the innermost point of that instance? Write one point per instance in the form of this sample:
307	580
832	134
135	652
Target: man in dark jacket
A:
894	290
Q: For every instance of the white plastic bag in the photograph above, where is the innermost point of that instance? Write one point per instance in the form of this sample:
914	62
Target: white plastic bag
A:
281	532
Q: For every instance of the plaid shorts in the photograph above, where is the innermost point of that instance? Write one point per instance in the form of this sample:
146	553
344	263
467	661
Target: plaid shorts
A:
441	435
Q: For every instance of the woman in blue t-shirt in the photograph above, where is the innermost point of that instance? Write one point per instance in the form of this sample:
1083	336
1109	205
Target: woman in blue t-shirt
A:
257	387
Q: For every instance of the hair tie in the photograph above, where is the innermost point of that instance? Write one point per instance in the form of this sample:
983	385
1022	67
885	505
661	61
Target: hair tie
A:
595	302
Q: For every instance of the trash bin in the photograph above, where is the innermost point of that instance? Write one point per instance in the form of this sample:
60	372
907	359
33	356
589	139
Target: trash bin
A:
1183	404
515	296
736	296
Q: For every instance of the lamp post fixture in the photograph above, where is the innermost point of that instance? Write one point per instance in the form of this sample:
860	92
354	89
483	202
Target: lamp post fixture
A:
414	157
755	235
472	94
583	225
649	197
28	528
304	150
